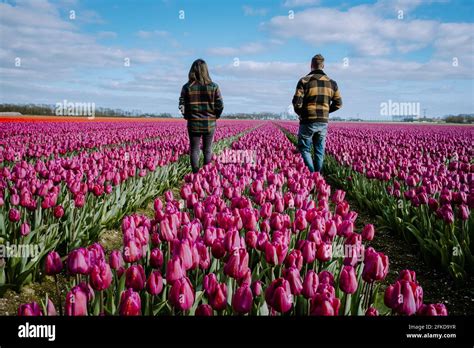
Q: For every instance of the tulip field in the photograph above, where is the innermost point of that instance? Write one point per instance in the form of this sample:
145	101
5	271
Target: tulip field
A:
417	179
251	234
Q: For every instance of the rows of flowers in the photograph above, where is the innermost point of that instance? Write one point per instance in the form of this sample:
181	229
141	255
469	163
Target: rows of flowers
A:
263	237
34	140
65	202
22	141
420	179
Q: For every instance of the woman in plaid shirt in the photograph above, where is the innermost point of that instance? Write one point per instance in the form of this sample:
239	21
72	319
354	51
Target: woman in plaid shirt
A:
201	105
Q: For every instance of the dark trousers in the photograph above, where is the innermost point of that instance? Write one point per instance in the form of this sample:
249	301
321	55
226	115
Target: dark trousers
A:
194	143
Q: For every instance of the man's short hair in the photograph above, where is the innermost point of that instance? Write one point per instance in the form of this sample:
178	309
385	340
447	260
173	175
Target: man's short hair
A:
317	61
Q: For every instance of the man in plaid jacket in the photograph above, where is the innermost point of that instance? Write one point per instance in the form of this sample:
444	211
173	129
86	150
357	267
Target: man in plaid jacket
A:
316	96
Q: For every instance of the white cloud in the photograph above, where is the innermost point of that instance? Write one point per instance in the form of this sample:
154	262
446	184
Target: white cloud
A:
367	33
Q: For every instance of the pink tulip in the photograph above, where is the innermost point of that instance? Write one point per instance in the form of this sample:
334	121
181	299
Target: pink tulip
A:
278	295
438	309
242	300
115	259
237	264
292	275
181	295
368	232
53	264
322	305
324	252
310	284
156	258
348	280
204	310
101	276
154	284
58	212
25	229
135	277
78	261
30	310
372	312
256	287
14	215
76	302
50	309
218	297
375	266
130	303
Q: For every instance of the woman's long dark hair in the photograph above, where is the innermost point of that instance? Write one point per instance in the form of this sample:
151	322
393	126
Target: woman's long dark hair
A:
199	73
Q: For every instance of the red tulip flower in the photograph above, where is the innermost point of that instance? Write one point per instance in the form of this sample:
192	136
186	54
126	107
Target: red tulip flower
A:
181	295
278	295
53	264
242	300
135	277
130	303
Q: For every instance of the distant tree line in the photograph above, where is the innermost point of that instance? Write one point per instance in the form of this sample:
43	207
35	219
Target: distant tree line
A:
461	118
45	109
48	110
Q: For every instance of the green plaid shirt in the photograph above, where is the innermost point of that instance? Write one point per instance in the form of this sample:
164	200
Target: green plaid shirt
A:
203	105
316	96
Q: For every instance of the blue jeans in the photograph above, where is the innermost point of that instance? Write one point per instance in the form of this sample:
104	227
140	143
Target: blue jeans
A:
312	134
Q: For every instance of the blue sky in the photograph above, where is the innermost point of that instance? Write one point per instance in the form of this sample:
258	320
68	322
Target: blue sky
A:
398	50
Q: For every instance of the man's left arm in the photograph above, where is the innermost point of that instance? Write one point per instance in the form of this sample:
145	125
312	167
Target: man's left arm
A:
298	98
336	101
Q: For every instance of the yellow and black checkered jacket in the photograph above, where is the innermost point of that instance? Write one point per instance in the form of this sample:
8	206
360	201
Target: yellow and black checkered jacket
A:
315	97
202	106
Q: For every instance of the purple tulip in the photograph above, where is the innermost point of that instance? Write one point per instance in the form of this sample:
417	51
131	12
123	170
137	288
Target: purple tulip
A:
130	303
368	232
53	263
204	310
242	300
154	284
101	276
135	277
30	310
14	215
181	295
76	302
78	261
322	305
116	259
348	280
375	266
278	295
156	258
438	309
